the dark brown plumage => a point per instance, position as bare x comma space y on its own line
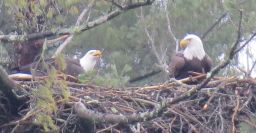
181, 66
73, 67
193, 58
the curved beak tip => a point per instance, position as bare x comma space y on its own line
98, 53
183, 43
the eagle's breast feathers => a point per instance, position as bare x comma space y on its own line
193, 58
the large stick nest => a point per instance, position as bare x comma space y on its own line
218, 107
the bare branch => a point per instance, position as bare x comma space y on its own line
75, 29
214, 25
170, 30
93, 116
247, 42
30, 37
57, 39
116, 4
230, 56
138, 4
253, 65
78, 22
154, 72
161, 56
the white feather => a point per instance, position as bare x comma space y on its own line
195, 48
88, 61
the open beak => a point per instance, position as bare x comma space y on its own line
184, 43
97, 53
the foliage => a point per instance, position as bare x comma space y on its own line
46, 121
45, 102
127, 52
35, 16
111, 77
125, 38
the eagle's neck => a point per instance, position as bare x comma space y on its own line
194, 52
87, 63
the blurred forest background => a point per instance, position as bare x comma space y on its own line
138, 41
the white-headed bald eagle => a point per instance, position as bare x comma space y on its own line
73, 67
193, 58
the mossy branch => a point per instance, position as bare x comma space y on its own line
75, 29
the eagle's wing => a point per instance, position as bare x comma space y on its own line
207, 63
177, 63
73, 67
73, 61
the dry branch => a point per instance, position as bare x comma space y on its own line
78, 22
170, 30
214, 25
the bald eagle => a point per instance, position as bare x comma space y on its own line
73, 67
192, 58
84, 64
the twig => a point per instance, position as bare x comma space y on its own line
116, 4
28, 115
106, 129
151, 42
78, 22
215, 119
247, 42
214, 24
170, 29
253, 65
57, 39
135, 79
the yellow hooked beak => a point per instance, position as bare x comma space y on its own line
184, 43
97, 53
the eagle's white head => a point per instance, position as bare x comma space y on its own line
89, 60
193, 47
